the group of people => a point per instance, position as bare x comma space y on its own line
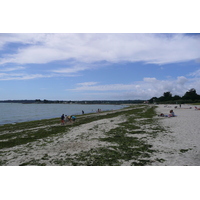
171, 114
65, 119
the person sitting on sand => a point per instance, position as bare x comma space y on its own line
171, 113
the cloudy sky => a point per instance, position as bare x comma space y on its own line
97, 66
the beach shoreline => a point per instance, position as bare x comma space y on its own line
90, 140
134, 135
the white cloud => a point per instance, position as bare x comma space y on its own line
70, 70
87, 83
150, 80
21, 38
8, 74
195, 73
111, 87
21, 76
77, 67
12, 69
145, 89
150, 48
181, 80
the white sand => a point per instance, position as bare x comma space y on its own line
180, 145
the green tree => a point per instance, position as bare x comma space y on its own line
167, 96
176, 97
153, 100
191, 95
46, 101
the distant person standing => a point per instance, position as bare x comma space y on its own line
62, 119
180, 105
82, 112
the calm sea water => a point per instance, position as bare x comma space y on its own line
16, 112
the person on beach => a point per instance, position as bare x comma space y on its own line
99, 110
171, 113
82, 112
73, 118
66, 119
62, 119
69, 119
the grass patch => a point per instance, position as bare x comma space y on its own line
184, 150
25, 137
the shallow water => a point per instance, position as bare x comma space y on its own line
16, 112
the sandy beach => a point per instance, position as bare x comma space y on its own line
180, 144
176, 143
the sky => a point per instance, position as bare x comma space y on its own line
104, 66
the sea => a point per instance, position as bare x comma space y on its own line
11, 113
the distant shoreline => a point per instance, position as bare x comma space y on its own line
107, 102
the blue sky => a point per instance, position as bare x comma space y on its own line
97, 66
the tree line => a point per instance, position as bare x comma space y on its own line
190, 96
45, 101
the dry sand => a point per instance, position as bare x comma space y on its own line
180, 145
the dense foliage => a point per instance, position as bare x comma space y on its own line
190, 96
